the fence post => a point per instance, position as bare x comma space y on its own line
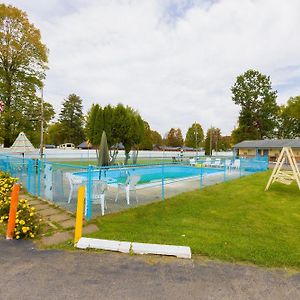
89, 193
224, 172
162, 182
39, 178
34, 171
201, 176
240, 167
7, 164
29, 175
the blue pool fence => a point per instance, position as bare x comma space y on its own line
51, 180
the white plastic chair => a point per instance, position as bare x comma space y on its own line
217, 163
236, 164
207, 162
228, 164
75, 182
129, 185
98, 194
192, 161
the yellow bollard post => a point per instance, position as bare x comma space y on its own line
79, 214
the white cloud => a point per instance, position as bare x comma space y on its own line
174, 61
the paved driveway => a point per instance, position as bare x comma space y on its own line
27, 273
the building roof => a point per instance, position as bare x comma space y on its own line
294, 143
85, 145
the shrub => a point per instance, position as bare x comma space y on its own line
27, 222
6, 184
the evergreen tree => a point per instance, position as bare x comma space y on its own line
71, 120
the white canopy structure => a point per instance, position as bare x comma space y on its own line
22, 144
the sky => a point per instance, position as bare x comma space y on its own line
172, 60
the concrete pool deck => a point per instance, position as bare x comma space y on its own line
145, 193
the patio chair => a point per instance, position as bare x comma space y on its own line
129, 185
236, 164
217, 163
192, 162
75, 182
207, 162
228, 164
98, 194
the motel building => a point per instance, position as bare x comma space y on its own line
269, 148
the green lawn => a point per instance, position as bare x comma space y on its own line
232, 221
141, 161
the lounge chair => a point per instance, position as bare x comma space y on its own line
129, 185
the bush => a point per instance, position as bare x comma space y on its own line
6, 184
27, 222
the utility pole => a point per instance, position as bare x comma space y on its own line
42, 124
196, 139
210, 142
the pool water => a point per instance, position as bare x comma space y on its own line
149, 174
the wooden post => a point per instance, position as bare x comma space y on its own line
79, 214
12, 212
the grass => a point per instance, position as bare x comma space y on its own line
232, 221
141, 161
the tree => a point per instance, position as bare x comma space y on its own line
71, 120
253, 92
147, 140
23, 62
174, 138
32, 124
194, 136
212, 140
53, 134
121, 124
156, 138
225, 143
128, 126
150, 138
289, 119
90, 130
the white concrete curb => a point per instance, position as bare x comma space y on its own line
178, 251
85, 243
137, 248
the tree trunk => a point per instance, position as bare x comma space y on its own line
113, 156
126, 157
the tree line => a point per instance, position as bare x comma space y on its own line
124, 125
23, 66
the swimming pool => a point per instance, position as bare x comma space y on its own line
149, 173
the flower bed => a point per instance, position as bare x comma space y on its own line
27, 222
